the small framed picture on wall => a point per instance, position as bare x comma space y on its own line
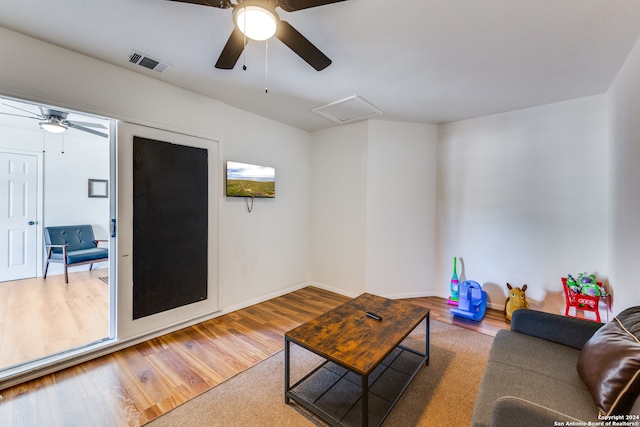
98, 188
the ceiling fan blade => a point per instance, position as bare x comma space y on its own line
20, 115
26, 111
222, 4
232, 50
87, 124
303, 47
293, 5
84, 129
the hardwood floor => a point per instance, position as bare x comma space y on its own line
135, 385
40, 317
492, 322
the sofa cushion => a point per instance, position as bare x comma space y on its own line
609, 364
535, 370
533, 354
83, 255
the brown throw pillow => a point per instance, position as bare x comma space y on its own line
609, 364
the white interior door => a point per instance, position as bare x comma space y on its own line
18, 219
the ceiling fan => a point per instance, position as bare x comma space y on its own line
55, 121
258, 20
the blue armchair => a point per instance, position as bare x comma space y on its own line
72, 245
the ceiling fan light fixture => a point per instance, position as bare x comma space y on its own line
52, 125
256, 22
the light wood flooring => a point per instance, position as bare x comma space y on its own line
40, 317
493, 321
133, 386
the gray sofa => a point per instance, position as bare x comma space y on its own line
547, 369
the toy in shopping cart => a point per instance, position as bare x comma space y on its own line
573, 284
472, 301
516, 300
589, 286
586, 284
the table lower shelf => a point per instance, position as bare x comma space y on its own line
334, 394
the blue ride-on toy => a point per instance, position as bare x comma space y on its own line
472, 303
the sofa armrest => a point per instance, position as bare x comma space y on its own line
511, 411
568, 331
49, 249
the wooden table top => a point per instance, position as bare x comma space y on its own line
347, 336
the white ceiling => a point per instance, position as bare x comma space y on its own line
429, 61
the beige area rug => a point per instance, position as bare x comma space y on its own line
442, 393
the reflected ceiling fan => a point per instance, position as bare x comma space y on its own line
55, 121
258, 20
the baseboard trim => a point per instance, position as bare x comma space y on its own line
333, 289
263, 298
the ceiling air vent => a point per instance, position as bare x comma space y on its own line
147, 62
348, 110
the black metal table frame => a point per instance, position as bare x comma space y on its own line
290, 394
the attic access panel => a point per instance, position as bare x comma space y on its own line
348, 110
170, 226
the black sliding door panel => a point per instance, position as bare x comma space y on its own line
170, 226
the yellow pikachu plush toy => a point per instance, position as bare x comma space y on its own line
516, 300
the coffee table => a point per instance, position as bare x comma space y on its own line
365, 359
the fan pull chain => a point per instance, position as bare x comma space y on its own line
244, 55
244, 50
266, 66
62, 144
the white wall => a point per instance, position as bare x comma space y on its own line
373, 208
338, 208
66, 176
22, 139
258, 247
623, 101
401, 209
267, 250
522, 199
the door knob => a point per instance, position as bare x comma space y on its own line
31, 223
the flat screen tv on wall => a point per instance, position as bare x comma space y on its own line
246, 180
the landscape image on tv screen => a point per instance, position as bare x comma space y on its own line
245, 180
